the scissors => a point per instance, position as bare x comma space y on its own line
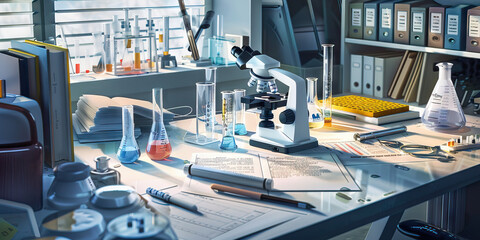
413, 149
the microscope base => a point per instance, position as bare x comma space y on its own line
277, 147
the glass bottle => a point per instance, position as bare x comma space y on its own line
315, 117
128, 151
228, 121
102, 175
443, 110
327, 84
240, 128
158, 147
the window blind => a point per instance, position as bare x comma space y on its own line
16, 21
75, 21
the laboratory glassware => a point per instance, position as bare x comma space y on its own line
107, 47
152, 43
228, 121
218, 45
158, 147
443, 110
327, 84
98, 53
136, 32
128, 151
102, 175
240, 128
77, 56
315, 117
205, 121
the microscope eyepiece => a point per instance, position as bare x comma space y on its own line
236, 51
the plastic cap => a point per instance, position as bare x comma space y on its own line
71, 172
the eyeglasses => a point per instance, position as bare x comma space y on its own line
419, 151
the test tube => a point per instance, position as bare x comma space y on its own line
107, 47
327, 83
166, 35
98, 53
136, 33
228, 121
240, 128
77, 56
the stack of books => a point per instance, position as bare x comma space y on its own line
99, 118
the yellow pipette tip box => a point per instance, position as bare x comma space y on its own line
367, 106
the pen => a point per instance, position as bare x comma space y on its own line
260, 196
380, 133
167, 198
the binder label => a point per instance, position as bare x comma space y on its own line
474, 26
417, 24
370, 17
452, 23
356, 17
402, 20
436, 23
386, 18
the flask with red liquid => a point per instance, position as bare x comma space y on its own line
158, 147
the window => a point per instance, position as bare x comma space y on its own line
75, 21
16, 21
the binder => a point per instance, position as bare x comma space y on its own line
419, 26
355, 26
368, 74
403, 76
436, 26
455, 27
356, 73
14, 72
386, 21
401, 29
397, 74
59, 61
385, 69
370, 20
473, 25
33, 75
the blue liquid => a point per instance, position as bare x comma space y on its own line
228, 143
128, 154
240, 129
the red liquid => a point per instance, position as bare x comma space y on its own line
158, 151
77, 68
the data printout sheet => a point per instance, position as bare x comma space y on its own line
322, 172
221, 219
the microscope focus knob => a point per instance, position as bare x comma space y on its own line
287, 116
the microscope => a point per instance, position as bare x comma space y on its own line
294, 135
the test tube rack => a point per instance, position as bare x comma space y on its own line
470, 142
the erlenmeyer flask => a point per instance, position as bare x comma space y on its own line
443, 111
158, 147
315, 117
128, 151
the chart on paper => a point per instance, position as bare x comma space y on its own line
222, 219
361, 150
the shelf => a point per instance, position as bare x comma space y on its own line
413, 48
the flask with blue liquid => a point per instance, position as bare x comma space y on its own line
128, 152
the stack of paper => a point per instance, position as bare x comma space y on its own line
99, 118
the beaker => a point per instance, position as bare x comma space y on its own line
128, 151
315, 117
327, 84
228, 121
240, 128
443, 110
158, 147
205, 121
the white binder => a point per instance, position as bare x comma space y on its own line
356, 72
368, 65
385, 69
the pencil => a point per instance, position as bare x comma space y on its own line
260, 196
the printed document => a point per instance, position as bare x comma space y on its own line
323, 172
